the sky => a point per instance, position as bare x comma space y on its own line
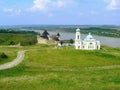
59, 12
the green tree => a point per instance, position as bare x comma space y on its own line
71, 41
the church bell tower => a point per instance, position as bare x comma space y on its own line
78, 39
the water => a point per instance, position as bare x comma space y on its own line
109, 41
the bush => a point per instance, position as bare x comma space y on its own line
12, 43
3, 55
61, 42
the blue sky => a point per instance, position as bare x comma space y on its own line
57, 12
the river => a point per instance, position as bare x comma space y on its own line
109, 41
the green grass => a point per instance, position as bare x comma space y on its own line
16, 38
68, 57
10, 52
48, 68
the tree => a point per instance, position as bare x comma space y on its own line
71, 41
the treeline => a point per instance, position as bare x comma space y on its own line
16, 31
110, 32
23, 38
102, 31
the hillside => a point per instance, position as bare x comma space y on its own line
49, 68
11, 37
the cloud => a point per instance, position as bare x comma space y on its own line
8, 10
12, 12
113, 4
40, 5
46, 5
60, 3
18, 12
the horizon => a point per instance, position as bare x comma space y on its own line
56, 25
59, 12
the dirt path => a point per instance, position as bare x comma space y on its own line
15, 62
21, 55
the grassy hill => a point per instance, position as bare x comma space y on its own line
49, 68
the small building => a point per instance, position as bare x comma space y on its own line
89, 43
65, 43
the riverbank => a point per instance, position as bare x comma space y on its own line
66, 32
108, 41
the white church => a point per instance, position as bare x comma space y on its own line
89, 43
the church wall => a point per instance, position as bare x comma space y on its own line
98, 47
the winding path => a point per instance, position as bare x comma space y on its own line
21, 54
15, 62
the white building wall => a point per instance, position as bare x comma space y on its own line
78, 45
92, 46
98, 47
89, 44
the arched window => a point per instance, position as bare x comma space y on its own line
91, 43
78, 37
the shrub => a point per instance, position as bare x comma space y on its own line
12, 43
3, 55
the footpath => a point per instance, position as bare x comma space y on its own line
15, 62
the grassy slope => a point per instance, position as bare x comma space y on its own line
47, 68
10, 52
6, 38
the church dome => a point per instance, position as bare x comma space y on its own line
98, 42
89, 37
77, 30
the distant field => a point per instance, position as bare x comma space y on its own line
49, 68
